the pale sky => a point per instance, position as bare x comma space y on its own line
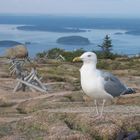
77, 7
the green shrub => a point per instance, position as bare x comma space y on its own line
55, 52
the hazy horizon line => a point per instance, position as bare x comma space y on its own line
71, 15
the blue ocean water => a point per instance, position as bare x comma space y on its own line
53, 28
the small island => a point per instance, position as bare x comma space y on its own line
9, 43
133, 32
118, 33
73, 40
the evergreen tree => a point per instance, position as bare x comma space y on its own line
106, 47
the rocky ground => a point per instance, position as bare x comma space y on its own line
65, 113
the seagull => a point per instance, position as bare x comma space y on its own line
99, 84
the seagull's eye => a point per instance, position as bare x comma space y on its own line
89, 55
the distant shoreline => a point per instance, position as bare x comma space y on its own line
70, 24
133, 32
50, 29
68, 30
92, 28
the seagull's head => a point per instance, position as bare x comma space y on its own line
87, 57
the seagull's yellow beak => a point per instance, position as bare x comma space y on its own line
76, 59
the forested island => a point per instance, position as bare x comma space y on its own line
50, 29
73, 40
9, 43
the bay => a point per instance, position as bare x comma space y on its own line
43, 40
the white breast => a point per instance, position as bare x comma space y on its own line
92, 82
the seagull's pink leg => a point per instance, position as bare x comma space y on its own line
100, 116
102, 109
96, 107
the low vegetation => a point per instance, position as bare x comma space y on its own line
116, 62
56, 52
66, 112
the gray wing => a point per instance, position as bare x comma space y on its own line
112, 84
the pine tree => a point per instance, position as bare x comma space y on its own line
106, 47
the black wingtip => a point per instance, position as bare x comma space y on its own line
129, 91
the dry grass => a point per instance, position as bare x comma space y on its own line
65, 113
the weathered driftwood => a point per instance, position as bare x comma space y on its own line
31, 85
24, 78
60, 57
31, 81
16, 87
16, 67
